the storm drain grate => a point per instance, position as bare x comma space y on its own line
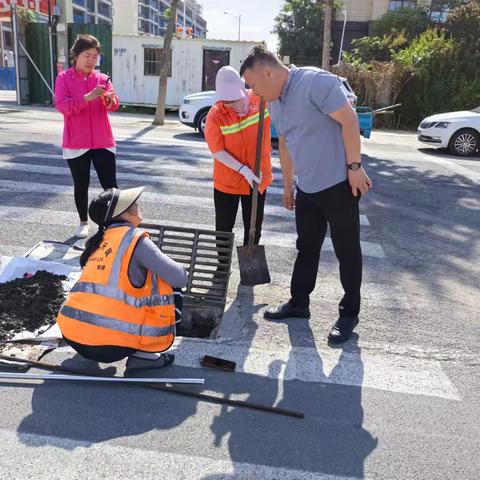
208, 256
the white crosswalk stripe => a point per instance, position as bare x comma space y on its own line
169, 199
142, 162
118, 461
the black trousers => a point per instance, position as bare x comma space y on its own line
338, 208
104, 163
115, 353
226, 208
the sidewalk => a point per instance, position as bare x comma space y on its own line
8, 97
42, 112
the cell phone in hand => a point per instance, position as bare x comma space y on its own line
220, 363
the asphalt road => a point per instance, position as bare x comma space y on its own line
399, 401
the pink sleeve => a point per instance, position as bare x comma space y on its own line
116, 105
64, 102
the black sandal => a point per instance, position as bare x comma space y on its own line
135, 364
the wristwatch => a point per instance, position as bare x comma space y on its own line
354, 166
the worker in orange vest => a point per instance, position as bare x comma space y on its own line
124, 304
231, 133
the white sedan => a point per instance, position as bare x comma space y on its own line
194, 109
457, 131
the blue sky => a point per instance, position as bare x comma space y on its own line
257, 19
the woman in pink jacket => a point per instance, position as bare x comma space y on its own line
85, 96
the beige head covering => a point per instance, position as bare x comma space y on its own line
122, 200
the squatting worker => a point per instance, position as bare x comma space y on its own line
320, 142
231, 133
85, 96
124, 304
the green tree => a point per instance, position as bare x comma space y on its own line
463, 24
439, 84
438, 9
299, 26
378, 49
410, 21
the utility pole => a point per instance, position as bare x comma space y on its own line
239, 18
13, 12
50, 47
2, 50
327, 34
184, 19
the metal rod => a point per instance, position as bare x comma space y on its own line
343, 36
50, 49
36, 68
387, 108
2, 50
87, 378
13, 10
34, 340
201, 396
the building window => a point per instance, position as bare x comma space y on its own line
91, 6
7, 36
78, 16
144, 26
104, 9
80, 3
397, 4
144, 12
151, 62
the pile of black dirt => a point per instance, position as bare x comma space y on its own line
30, 303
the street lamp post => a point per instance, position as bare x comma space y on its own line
343, 36
239, 17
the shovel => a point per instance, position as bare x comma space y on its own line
251, 258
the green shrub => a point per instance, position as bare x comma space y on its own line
376, 49
439, 84
410, 21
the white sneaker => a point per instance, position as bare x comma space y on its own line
82, 231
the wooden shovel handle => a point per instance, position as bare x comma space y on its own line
258, 156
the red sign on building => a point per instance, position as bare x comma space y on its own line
39, 6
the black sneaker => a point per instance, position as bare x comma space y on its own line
286, 311
342, 330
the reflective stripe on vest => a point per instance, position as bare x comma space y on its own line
110, 291
238, 127
127, 239
117, 325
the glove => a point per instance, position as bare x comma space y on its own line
231, 162
250, 177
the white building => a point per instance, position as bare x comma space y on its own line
86, 11
147, 17
195, 63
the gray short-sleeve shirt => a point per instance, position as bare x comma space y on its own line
314, 140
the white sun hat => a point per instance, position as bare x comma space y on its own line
122, 200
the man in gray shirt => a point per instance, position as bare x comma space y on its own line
319, 142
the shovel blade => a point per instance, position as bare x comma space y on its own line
253, 265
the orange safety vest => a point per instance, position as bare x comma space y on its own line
104, 308
225, 130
